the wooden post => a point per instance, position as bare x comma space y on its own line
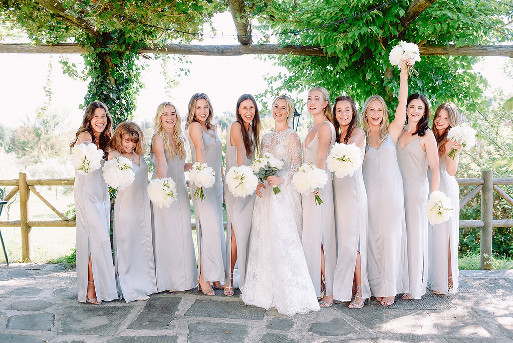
25, 228
487, 217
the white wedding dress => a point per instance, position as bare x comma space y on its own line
277, 274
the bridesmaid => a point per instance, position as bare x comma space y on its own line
350, 213
133, 249
416, 150
242, 143
206, 148
318, 238
175, 262
444, 238
386, 233
95, 271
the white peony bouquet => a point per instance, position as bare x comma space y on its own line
241, 181
267, 165
202, 176
309, 178
463, 134
344, 159
86, 158
118, 172
439, 208
405, 51
162, 192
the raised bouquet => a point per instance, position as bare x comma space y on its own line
267, 165
86, 158
308, 179
405, 51
344, 159
118, 172
439, 208
202, 176
241, 181
162, 192
463, 134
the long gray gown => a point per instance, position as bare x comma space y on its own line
239, 212
175, 260
133, 248
351, 223
441, 235
386, 235
319, 224
414, 166
209, 214
92, 205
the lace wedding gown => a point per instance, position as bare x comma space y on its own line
277, 274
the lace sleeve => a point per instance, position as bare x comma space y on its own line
294, 145
265, 144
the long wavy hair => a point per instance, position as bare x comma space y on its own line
253, 140
105, 136
326, 96
290, 105
130, 130
383, 128
454, 120
423, 123
354, 117
192, 110
176, 135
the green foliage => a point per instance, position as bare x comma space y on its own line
68, 261
472, 261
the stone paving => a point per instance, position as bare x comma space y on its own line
38, 304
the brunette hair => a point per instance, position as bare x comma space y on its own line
423, 123
383, 128
134, 133
249, 142
105, 136
454, 120
192, 110
326, 96
176, 135
354, 118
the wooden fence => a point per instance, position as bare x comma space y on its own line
485, 185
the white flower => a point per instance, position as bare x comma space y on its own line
265, 166
118, 172
344, 159
309, 178
202, 176
439, 208
241, 181
463, 134
86, 158
162, 192
404, 51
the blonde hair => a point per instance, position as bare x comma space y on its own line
176, 134
383, 128
326, 96
290, 104
192, 110
134, 133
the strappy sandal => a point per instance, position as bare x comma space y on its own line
358, 301
94, 300
324, 304
228, 290
209, 291
407, 296
384, 302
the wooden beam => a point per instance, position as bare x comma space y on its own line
414, 10
478, 50
241, 21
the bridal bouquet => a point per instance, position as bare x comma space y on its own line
405, 51
267, 165
309, 178
118, 172
439, 208
241, 181
463, 134
344, 159
162, 192
202, 176
86, 158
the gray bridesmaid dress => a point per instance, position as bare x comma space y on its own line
92, 205
351, 224
209, 214
175, 260
386, 233
133, 248
319, 224
414, 166
239, 212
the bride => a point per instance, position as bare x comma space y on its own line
277, 273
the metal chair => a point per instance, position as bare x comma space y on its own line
2, 203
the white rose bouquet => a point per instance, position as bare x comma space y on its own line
241, 181
86, 158
118, 172
309, 178
344, 159
463, 134
439, 208
162, 192
267, 165
405, 51
202, 176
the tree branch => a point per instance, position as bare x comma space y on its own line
241, 21
414, 10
